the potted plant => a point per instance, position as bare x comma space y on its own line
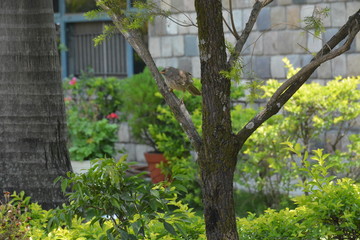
140, 99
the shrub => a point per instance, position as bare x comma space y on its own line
90, 139
140, 102
330, 210
91, 106
135, 208
267, 169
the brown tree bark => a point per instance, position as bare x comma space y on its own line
33, 145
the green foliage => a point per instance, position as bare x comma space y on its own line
12, 221
329, 211
315, 21
108, 31
173, 142
93, 97
128, 18
135, 208
140, 101
21, 219
79, 6
91, 103
90, 139
266, 168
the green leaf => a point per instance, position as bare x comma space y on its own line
169, 228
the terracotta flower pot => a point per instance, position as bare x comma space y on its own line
153, 159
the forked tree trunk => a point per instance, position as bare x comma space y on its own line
33, 148
219, 150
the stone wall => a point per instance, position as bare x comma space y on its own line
278, 33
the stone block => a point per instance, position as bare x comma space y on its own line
314, 44
277, 67
306, 11
178, 46
324, 71
262, 66
151, 30
126, 148
196, 68
191, 45
284, 2
270, 42
238, 19
278, 17
189, 5
353, 64
338, 14
185, 22
326, 20
263, 21
295, 60
305, 59
245, 16
338, 66
326, 36
160, 62
166, 46
299, 42
239, 4
160, 26
352, 7
193, 29
248, 66
174, 62
285, 42
293, 16
357, 42
185, 64
140, 149
299, 1
80, 166
171, 27
155, 46
165, 5
124, 133
254, 44
226, 17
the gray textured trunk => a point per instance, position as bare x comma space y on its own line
219, 151
33, 148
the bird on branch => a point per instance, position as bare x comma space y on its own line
179, 80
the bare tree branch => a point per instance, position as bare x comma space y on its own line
234, 31
177, 107
230, 29
288, 89
247, 30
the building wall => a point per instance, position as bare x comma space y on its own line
278, 33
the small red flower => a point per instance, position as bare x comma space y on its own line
112, 116
73, 81
67, 99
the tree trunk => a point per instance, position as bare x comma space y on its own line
218, 200
219, 152
33, 149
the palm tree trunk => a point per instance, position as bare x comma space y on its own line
33, 149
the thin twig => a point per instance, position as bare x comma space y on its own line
234, 32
